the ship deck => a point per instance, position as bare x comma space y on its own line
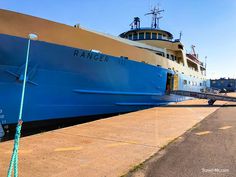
106, 147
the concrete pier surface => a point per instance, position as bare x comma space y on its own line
107, 147
208, 150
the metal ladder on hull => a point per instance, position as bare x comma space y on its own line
209, 96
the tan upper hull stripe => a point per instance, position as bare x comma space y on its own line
21, 25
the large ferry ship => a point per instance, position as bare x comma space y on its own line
75, 72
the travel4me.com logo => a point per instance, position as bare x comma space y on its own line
214, 170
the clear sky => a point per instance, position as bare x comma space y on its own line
208, 24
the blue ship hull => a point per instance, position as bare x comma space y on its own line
64, 82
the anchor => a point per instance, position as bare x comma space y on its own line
20, 74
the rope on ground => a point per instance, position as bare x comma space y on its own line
14, 157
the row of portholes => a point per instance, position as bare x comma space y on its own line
192, 83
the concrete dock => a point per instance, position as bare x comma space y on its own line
208, 150
108, 147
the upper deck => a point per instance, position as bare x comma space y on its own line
147, 34
156, 37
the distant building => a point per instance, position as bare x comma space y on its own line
223, 83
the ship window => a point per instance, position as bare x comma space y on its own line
159, 36
164, 36
130, 36
160, 53
167, 55
180, 46
124, 57
172, 57
135, 36
200, 84
154, 35
148, 35
141, 36
185, 82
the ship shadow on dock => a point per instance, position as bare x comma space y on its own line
32, 128
198, 105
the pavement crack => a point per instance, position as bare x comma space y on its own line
111, 140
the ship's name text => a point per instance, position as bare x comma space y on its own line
91, 55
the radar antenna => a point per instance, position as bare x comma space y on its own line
155, 12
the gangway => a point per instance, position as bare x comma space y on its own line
211, 97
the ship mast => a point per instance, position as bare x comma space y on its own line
155, 12
193, 50
180, 35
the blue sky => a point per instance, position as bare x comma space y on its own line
208, 24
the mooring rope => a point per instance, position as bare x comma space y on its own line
14, 157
